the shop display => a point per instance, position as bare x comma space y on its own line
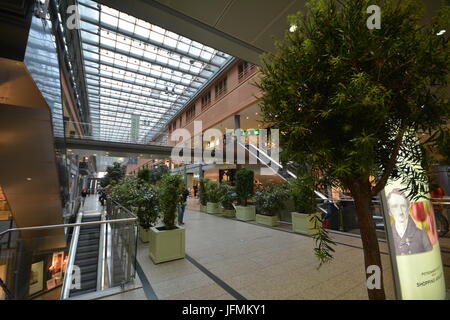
36, 277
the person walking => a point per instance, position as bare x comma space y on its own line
83, 196
182, 206
103, 197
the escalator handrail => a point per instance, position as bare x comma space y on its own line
67, 225
65, 292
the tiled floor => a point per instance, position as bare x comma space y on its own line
258, 263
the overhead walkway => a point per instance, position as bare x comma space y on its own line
113, 147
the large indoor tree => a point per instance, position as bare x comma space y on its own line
348, 99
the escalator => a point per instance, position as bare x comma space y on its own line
87, 255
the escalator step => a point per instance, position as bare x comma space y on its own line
87, 276
88, 268
89, 236
84, 262
87, 248
87, 242
86, 255
80, 292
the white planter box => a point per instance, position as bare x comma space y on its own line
247, 213
267, 220
304, 223
166, 245
212, 207
143, 234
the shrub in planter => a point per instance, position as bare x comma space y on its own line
244, 191
227, 197
140, 198
305, 219
213, 195
269, 200
203, 194
168, 241
147, 209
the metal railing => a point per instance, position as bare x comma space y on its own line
43, 242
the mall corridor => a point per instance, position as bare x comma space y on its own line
229, 259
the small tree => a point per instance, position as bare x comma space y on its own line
348, 100
144, 175
156, 174
203, 195
303, 196
213, 191
244, 185
270, 199
227, 195
114, 174
170, 190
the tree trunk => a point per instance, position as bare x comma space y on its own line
361, 192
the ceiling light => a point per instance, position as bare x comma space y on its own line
440, 33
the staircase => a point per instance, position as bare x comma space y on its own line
87, 255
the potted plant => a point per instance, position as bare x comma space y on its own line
140, 198
203, 194
244, 191
269, 200
227, 197
147, 209
167, 242
213, 194
305, 219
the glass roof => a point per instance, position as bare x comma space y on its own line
138, 75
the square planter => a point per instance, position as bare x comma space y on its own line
212, 207
166, 245
247, 213
304, 223
143, 234
229, 213
267, 220
202, 208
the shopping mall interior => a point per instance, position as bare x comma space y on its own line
139, 161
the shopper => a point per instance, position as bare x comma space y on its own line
84, 193
103, 197
195, 187
182, 206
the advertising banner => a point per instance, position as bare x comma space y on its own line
413, 242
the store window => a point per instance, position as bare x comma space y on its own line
190, 113
206, 100
221, 87
244, 70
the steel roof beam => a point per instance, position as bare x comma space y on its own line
143, 39
111, 65
140, 58
129, 82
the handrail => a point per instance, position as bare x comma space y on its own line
65, 292
68, 225
101, 257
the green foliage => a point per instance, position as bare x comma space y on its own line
302, 192
213, 192
227, 195
140, 198
203, 195
348, 100
170, 190
144, 175
114, 174
342, 94
270, 199
323, 242
157, 173
244, 185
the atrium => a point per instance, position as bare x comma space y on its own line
224, 150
